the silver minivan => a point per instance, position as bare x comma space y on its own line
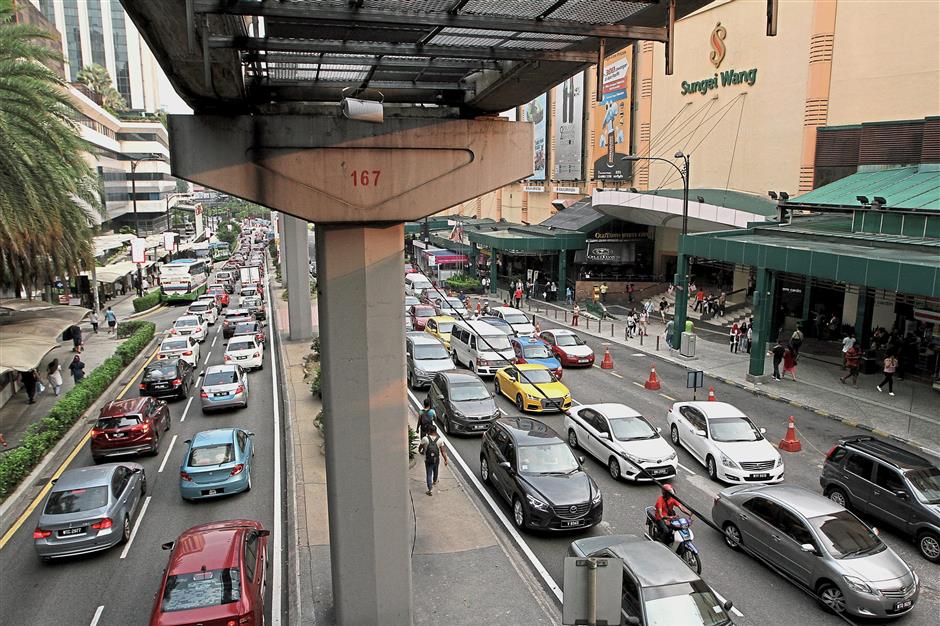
425, 356
482, 348
820, 545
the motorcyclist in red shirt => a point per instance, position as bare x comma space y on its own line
665, 510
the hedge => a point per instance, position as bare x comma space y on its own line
128, 328
43, 435
149, 301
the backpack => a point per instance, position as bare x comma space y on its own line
432, 452
424, 421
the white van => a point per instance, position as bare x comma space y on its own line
416, 284
481, 347
521, 324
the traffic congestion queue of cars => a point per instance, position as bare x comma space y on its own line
813, 538
94, 508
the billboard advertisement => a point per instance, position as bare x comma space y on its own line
139, 250
612, 118
569, 114
535, 113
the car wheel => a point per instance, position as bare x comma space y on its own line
732, 536
455, 358
832, 598
484, 470
838, 496
126, 530
519, 403
447, 430
97, 459
248, 488
496, 386
711, 468
169, 422
572, 439
143, 485
518, 513
473, 367
411, 380
929, 545
674, 435
613, 466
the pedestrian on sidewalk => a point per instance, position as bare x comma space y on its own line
750, 337
569, 296
733, 338
663, 305
847, 344
30, 379
553, 291
643, 321
699, 300
575, 314
111, 319
671, 290
518, 296
76, 332
433, 452
95, 320
789, 363
54, 376
890, 367
853, 357
722, 302
146, 285
604, 289
630, 292
796, 340
426, 419
778, 351
77, 369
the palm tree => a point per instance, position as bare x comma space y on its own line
47, 190
98, 80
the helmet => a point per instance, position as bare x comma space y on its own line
667, 488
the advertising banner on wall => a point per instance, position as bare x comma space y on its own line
535, 112
569, 113
200, 222
612, 118
139, 250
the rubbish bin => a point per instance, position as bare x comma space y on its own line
687, 345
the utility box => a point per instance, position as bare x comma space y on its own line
687, 345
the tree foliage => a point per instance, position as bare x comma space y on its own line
47, 190
98, 81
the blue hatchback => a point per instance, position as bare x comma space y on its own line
217, 463
532, 350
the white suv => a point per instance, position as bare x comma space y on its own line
205, 310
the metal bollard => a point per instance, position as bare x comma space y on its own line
641, 339
566, 317
611, 329
657, 343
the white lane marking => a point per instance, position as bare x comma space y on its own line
140, 518
277, 531
670, 398
214, 339
734, 609
167, 455
207, 357
616, 374
638, 354
186, 410
685, 468
573, 401
637, 384
97, 616
526, 550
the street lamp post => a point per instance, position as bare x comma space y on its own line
134, 164
681, 279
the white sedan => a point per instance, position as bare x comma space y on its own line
190, 326
725, 441
622, 439
186, 348
205, 309
244, 350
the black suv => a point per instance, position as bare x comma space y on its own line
534, 470
883, 481
168, 377
462, 402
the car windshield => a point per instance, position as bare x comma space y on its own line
411, 301
241, 345
844, 536
728, 429
536, 352
631, 428
926, 484
568, 340
244, 329
179, 344
496, 343
462, 392
423, 311
552, 458
220, 378
213, 587
684, 604
445, 327
515, 318
429, 352
76, 500
216, 454
159, 372
537, 377
119, 421
186, 322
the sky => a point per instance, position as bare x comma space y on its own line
169, 99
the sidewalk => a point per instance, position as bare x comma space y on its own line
910, 416
466, 556
16, 415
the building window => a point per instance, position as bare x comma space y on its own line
48, 9
96, 30
123, 73
73, 38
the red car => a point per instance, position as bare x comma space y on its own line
215, 577
220, 295
129, 427
568, 347
419, 315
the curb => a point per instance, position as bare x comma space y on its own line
152, 309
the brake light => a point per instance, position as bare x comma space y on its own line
203, 394
39, 533
103, 524
185, 476
198, 329
143, 386
831, 450
188, 353
246, 619
174, 331
141, 428
256, 355
240, 389
259, 337
237, 469
162, 356
177, 382
226, 358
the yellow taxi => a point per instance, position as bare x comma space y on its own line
440, 326
533, 387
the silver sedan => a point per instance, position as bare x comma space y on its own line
223, 387
89, 509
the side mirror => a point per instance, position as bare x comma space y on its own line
604, 435
137, 470
727, 605
875, 530
506, 466
901, 494
700, 432
658, 429
264, 533
629, 619
249, 433
188, 441
808, 547
92, 421
168, 545
581, 460
763, 430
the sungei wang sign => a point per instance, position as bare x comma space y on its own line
726, 78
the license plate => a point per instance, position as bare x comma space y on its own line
906, 604
572, 523
161, 385
480, 426
212, 492
118, 435
242, 358
760, 476
658, 472
582, 360
221, 394
71, 531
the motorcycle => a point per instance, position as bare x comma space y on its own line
681, 534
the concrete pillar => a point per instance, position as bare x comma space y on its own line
763, 323
296, 264
492, 271
562, 272
681, 281
362, 334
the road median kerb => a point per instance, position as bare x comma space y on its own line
24, 494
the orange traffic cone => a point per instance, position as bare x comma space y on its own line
653, 382
711, 394
790, 443
607, 363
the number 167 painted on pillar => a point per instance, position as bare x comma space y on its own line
365, 178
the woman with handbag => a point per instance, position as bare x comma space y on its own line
890, 367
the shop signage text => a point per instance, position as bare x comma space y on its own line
534, 188
574, 190
722, 79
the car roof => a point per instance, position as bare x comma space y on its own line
527, 341
481, 327
612, 409
214, 369
528, 431
442, 318
187, 317
91, 476
714, 409
213, 546
214, 436
162, 363
803, 500
899, 457
460, 376
237, 312
176, 338
506, 309
560, 331
529, 366
116, 408
652, 563
421, 337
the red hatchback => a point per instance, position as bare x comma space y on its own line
420, 314
215, 577
129, 427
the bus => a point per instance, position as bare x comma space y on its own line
184, 280
220, 250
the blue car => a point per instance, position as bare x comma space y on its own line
217, 463
532, 350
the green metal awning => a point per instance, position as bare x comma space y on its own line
915, 187
527, 238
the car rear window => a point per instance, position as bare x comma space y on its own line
201, 589
217, 454
179, 344
76, 500
244, 329
186, 322
220, 378
241, 345
199, 308
160, 372
120, 421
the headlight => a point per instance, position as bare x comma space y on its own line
420, 372
531, 397
535, 503
672, 457
729, 462
597, 497
779, 462
459, 414
859, 585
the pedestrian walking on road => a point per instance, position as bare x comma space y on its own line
890, 367
853, 357
733, 337
426, 419
95, 320
575, 314
77, 369
778, 351
433, 451
847, 344
111, 319
76, 332
30, 380
796, 341
789, 363
54, 376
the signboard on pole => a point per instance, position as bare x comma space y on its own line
535, 112
200, 223
612, 119
139, 250
569, 115
169, 241
695, 381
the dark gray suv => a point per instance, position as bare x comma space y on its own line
880, 480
